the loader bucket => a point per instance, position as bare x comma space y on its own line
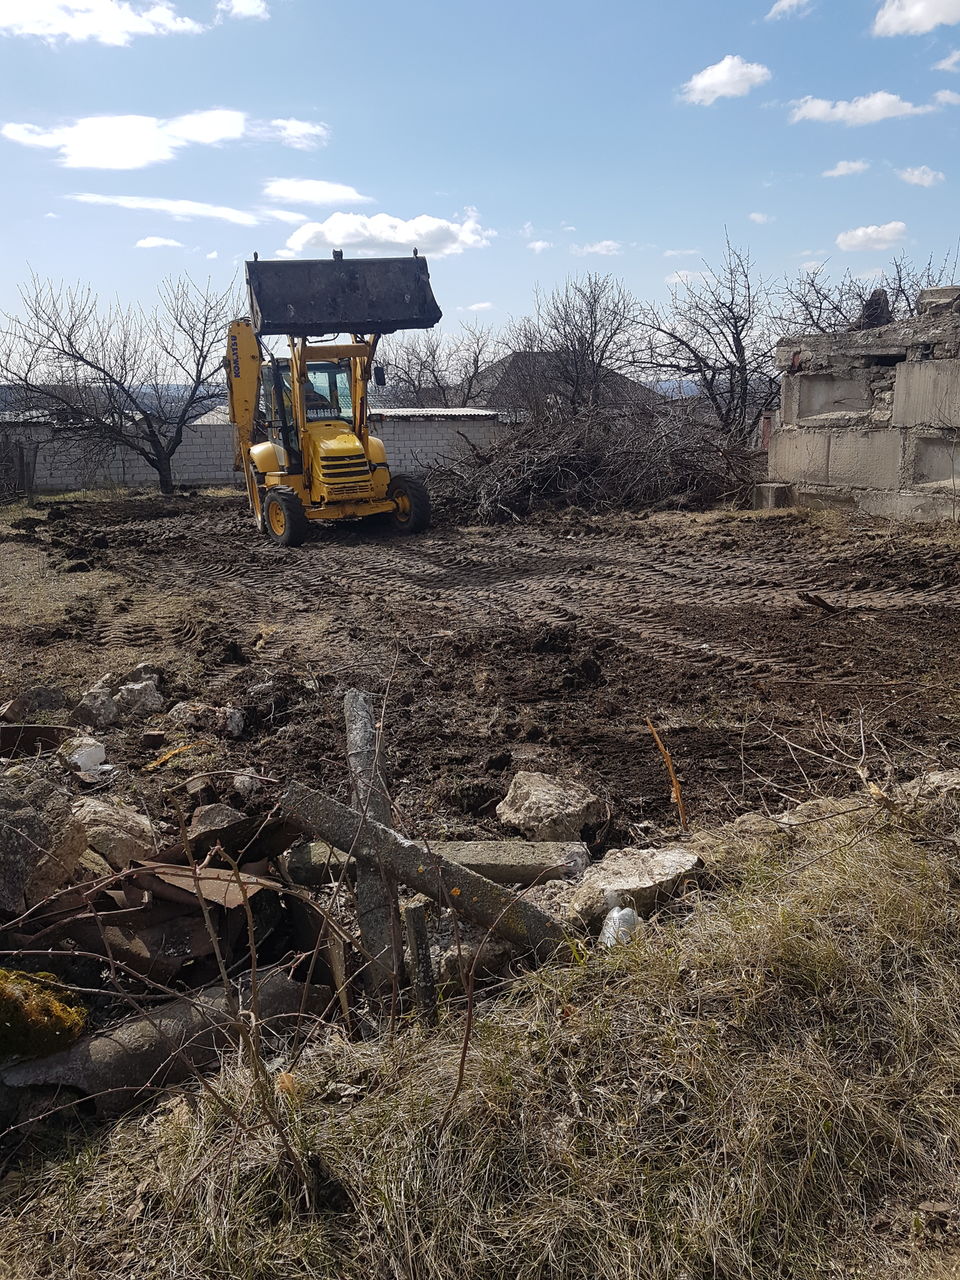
314, 297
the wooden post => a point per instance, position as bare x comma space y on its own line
424, 985
376, 889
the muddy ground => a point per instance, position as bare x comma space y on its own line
539, 646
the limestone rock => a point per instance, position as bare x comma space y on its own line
143, 671
545, 808
218, 824
139, 699
119, 833
638, 878
929, 786
97, 708
226, 722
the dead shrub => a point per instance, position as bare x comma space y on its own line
597, 460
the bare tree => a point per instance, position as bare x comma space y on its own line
432, 369
815, 302
117, 376
714, 338
574, 351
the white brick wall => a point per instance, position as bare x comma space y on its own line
205, 457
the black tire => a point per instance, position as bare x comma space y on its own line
412, 513
284, 519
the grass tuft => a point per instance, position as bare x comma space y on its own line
758, 1086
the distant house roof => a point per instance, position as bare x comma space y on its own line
508, 383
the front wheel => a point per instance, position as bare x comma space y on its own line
284, 519
412, 511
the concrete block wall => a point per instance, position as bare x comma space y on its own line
205, 457
870, 418
414, 444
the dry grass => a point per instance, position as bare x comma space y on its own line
765, 1084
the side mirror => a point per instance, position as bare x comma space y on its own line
379, 375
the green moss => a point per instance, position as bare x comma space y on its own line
35, 1019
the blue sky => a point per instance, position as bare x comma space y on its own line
531, 141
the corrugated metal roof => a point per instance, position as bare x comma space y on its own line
433, 413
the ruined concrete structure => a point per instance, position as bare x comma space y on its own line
871, 418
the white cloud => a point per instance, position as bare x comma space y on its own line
157, 242
789, 8
914, 17
680, 253
113, 22
947, 98
243, 8
565, 226
540, 246
303, 135
731, 77
872, 237
313, 191
134, 142
212, 254
128, 142
605, 248
479, 306
182, 209
950, 63
865, 110
285, 215
921, 176
811, 265
380, 232
845, 168
760, 218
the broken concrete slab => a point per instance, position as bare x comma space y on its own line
82, 753
516, 862
637, 878
116, 831
423, 870
40, 844
544, 807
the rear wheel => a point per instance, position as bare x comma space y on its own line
284, 519
412, 511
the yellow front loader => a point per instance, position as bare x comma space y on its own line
301, 420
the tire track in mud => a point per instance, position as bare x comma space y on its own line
611, 587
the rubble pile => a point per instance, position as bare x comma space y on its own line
241, 882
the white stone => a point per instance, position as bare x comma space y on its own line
638, 878
82, 753
545, 808
139, 699
118, 833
